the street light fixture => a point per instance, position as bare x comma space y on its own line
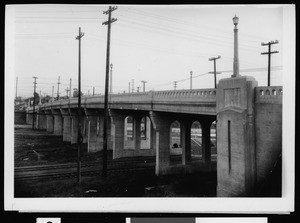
235, 20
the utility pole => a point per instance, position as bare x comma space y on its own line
108, 23
144, 82
269, 56
58, 83
191, 80
33, 112
132, 85
52, 93
110, 85
40, 101
175, 85
215, 71
70, 87
79, 139
128, 87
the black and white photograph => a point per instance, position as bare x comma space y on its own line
149, 108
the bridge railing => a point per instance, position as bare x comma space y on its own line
269, 94
196, 95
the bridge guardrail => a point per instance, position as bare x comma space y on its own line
196, 95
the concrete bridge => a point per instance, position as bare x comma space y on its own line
249, 128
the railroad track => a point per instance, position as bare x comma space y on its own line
91, 172
62, 171
89, 168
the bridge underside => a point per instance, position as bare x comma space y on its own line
137, 133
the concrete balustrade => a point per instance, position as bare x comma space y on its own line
271, 94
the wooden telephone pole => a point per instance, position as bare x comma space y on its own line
79, 139
269, 56
108, 23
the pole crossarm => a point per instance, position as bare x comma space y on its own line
109, 22
263, 53
111, 9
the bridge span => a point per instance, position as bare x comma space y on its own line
248, 129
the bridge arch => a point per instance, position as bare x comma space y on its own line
175, 142
196, 140
145, 132
128, 132
128, 128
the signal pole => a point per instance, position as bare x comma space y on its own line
58, 83
108, 23
33, 112
175, 85
269, 56
215, 72
144, 82
79, 138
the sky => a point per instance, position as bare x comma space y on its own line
153, 43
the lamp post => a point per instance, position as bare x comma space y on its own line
235, 20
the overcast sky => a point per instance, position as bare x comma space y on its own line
158, 44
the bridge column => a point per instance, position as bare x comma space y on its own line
84, 129
42, 121
49, 121
185, 139
95, 130
161, 125
58, 122
117, 120
137, 132
66, 125
74, 126
236, 167
206, 143
29, 117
